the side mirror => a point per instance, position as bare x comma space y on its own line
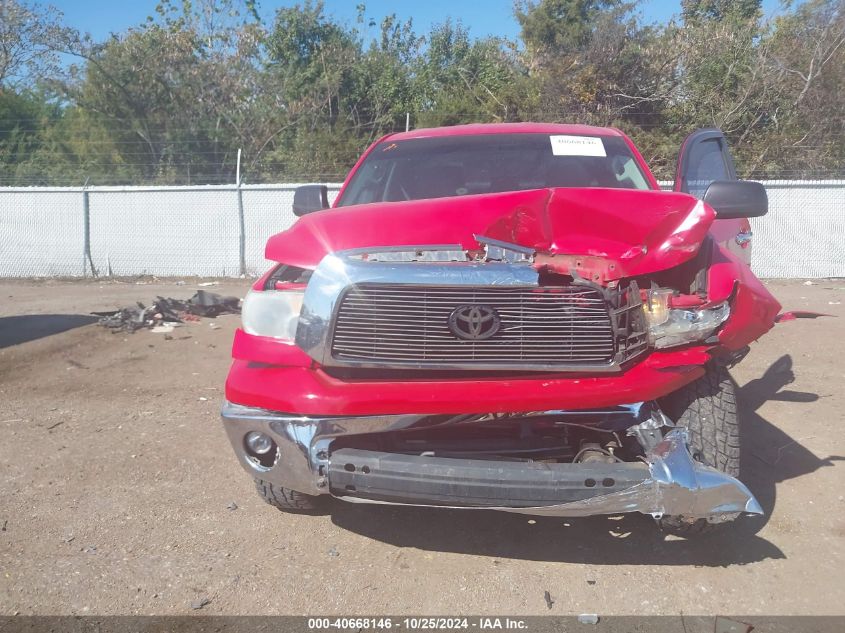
737, 199
309, 198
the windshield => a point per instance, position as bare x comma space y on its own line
491, 163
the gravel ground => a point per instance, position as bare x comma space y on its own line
120, 493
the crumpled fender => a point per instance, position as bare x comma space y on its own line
753, 308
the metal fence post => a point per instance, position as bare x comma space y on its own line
86, 232
241, 221
87, 259
242, 232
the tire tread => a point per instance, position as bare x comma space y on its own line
286, 499
708, 409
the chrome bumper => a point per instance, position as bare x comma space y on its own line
675, 485
303, 442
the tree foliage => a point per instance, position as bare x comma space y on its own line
173, 99
30, 36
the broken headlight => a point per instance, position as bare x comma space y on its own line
273, 313
668, 327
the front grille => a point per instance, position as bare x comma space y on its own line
409, 324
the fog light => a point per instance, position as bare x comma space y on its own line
258, 443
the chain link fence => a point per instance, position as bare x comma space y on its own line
803, 235
221, 230
208, 231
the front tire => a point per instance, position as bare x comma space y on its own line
707, 408
286, 499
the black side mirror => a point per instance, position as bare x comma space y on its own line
309, 198
737, 199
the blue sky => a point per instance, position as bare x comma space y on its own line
483, 17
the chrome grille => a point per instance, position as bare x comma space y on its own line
409, 324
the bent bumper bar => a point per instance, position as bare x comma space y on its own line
669, 482
394, 478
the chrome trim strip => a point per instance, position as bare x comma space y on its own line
498, 250
402, 248
410, 254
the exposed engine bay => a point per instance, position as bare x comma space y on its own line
543, 437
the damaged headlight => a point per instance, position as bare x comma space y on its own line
272, 313
668, 327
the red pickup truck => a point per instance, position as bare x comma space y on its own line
510, 317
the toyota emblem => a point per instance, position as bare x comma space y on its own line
474, 322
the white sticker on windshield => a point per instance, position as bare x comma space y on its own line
577, 146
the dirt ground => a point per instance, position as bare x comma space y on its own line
120, 494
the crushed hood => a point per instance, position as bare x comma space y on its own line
600, 234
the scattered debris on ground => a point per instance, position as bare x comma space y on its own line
588, 618
165, 313
799, 314
333, 552
549, 601
199, 604
232, 506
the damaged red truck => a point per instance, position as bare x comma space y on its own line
510, 317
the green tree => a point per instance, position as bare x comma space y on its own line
721, 10
29, 38
593, 61
465, 80
173, 99
312, 61
22, 118
175, 94
806, 63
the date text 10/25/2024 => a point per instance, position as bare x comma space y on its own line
423, 623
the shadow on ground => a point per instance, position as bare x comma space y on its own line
29, 327
769, 457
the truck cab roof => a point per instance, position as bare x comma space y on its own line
505, 128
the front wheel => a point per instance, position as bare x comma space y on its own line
707, 408
286, 499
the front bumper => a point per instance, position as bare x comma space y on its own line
270, 375
669, 482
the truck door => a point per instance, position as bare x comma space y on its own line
704, 157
